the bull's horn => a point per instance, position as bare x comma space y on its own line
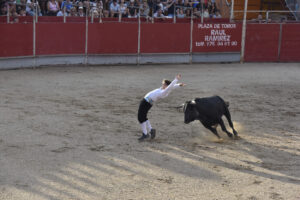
193, 102
181, 106
227, 103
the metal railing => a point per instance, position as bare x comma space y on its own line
263, 15
294, 6
289, 12
232, 17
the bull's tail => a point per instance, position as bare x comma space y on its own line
225, 102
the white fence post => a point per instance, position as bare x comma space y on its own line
34, 41
191, 36
8, 14
244, 32
232, 10
279, 41
86, 37
139, 38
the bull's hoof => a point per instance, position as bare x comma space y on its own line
236, 137
220, 140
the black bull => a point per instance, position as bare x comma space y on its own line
209, 112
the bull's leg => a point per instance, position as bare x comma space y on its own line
224, 128
214, 130
228, 116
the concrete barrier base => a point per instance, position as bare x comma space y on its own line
39, 61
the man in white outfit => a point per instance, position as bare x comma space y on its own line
149, 99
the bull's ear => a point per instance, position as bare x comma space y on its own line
193, 102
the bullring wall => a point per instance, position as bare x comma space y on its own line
36, 44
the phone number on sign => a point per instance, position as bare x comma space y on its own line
210, 44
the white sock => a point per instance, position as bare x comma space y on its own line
148, 125
144, 128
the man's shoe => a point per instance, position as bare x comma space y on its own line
143, 137
153, 133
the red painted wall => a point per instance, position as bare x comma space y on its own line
60, 38
165, 38
262, 42
16, 40
290, 45
113, 38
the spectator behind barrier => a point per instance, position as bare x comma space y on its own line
68, 5
196, 12
217, 15
188, 13
53, 8
123, 9
170, 7
144, 9
96, 9
30, 8
212, 9
132, 9
43, 6
20, 5
114, 9
105, 13
180, 13
206, 13
3, 10
81, 12
12, 7
159, 14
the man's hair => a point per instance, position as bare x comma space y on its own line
167, 82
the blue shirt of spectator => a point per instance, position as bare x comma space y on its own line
68, 4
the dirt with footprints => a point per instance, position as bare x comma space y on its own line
70, 132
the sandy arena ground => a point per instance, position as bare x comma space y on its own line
70, 133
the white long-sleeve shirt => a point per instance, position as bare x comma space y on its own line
160, 93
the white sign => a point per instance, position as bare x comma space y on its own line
217, 36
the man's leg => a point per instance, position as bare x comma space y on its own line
144, 129
150, 129
142, 117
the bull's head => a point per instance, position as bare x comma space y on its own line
190, 111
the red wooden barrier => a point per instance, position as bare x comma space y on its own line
122, 38
3, 19
50, 19
25, 19
113, 38
165, 38
60, 38
262, 42
16, 40
76, 19
290, 45
217, 37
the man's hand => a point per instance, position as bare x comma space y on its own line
182, 84
178, 76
